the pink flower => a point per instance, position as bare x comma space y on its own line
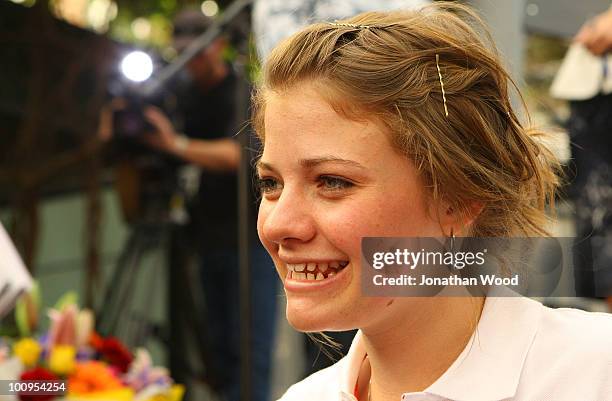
63, 326
142, 373
69, 326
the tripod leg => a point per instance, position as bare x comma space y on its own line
113, 287
187, 315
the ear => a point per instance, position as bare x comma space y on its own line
459, 219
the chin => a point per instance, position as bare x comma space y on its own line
303, 325
309, 320
304, 320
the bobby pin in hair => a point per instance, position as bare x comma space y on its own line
441, 84
346, 24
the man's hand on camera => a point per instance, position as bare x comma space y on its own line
596, 34
221, 154
164, 137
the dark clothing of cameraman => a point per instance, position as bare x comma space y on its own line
211, 116
589, 126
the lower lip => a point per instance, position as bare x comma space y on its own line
304, 286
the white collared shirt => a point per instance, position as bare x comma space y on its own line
521, 350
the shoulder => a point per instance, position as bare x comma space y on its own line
571, 356
322, 385
577, 331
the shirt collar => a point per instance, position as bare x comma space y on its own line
493, 358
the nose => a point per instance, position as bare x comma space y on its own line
287, 219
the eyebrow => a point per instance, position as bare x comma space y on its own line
310, 163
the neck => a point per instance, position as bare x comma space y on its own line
412, 355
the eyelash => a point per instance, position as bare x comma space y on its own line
264, 185
339, 184
267, 185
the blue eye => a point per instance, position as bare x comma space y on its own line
334, 183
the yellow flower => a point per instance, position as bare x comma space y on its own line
174, 393
120, 394
62, 359
27, 350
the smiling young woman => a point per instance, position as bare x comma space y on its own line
327, 182
399, 125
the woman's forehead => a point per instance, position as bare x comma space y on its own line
303, 143
303, 110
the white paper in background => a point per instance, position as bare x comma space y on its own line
14, 277
581, 75
10, 369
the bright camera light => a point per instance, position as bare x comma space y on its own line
137, 66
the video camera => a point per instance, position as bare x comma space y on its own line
135, 69
140, 87
145, 179
152, 177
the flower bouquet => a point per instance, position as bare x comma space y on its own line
90, 366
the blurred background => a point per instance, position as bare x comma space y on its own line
74, 206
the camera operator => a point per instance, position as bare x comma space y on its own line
206, 139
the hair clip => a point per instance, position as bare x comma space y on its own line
441, 84
346, 24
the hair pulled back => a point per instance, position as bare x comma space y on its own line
382, 65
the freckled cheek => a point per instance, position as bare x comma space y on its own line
384, 217
345, 228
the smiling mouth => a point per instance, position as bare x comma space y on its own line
312, 271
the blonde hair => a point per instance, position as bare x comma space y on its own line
383, 65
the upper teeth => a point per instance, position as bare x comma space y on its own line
312, 266
313, 270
